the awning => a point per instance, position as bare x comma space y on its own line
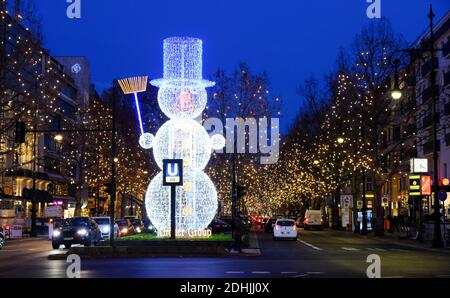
42, 196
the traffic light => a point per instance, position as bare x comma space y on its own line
108, 188
19, 136
240, 191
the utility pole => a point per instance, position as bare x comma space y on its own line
437, 240
113, 167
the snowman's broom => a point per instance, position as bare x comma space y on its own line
135, 85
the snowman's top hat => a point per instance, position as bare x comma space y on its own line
182, 62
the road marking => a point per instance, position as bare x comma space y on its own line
300, 275
375, 249
399, 249
350, 248
260, 272
315, 272
234, 272
288, 272
309, 244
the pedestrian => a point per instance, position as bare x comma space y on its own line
237, 231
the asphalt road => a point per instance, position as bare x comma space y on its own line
317, 254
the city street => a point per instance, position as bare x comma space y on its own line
316, 254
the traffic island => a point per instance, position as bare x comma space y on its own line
148, 245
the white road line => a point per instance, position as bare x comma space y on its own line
350, 248
288, 272
380, 249
371, 249
260, 272
300, 275
309, 244
315, 272
234, 272
399, 249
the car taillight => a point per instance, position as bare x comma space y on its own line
306, 221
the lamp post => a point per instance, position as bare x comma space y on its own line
335, 216
397, 94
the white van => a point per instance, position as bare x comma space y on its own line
313, 219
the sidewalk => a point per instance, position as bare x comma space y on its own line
395, 238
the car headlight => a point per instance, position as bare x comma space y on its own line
82, 232
138, 229
106, 230
56, 233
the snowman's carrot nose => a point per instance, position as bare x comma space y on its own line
135, 85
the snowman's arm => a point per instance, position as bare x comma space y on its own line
146, 140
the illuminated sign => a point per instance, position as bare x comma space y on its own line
425, 185
414, 185
172, 172
419, 165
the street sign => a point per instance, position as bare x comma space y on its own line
414, 186
425, 185
172, 172
442, 195
359, 204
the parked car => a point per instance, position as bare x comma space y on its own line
104, 223
313, 220
148, 226
299, 222
137, 225
77, 230
125, 227
270, 224
285, 228
2, 238
218, 226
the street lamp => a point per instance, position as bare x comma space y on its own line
340, 140
437, 240
396, 92
58, 137
316, 162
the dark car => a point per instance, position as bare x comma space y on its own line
218, 226
137, 225
2, 238
270, 224
77, 230
148, 226
125, 227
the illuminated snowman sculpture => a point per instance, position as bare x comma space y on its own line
182, 97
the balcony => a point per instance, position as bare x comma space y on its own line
427, 94
428, 147
447, 79
427, 121
447, 139
426, 67
446, 48
447, 109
